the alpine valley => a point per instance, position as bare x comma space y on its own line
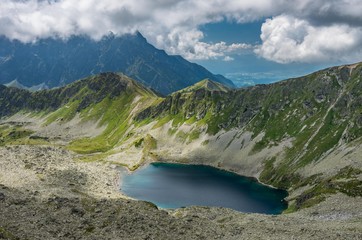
60, 149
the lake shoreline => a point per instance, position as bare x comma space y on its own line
169, 185
254, 178
71, 197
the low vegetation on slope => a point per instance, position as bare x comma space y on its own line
108, 99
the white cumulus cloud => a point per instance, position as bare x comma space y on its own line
169, 24
296, 31
288, 39
189, 44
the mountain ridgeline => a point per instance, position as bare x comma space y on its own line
83, 93
301, 134
54, 62
279, 110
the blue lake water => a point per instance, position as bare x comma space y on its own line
178, 185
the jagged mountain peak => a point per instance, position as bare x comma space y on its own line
39, 87
56, 62
212, 85
15, 84
208, 85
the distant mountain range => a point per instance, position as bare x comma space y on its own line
16, 84
54, 62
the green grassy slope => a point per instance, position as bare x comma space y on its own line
107, 98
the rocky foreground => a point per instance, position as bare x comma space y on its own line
48, 193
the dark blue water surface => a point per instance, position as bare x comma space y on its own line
178, 185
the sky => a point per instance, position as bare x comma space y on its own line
248, 41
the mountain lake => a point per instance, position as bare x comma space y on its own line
170, 185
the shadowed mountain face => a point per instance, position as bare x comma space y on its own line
56, 62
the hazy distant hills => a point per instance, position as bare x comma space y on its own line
53, 62
16, 84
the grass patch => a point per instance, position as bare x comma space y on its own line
281, 176
172, 131
291, 208
351, 188
93, 157
65, 113
116, 114
17, 136
350, 185
195, 134
139, 142
314, 195
327, 137
4, 234
162, 122
181, 135
150, 143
